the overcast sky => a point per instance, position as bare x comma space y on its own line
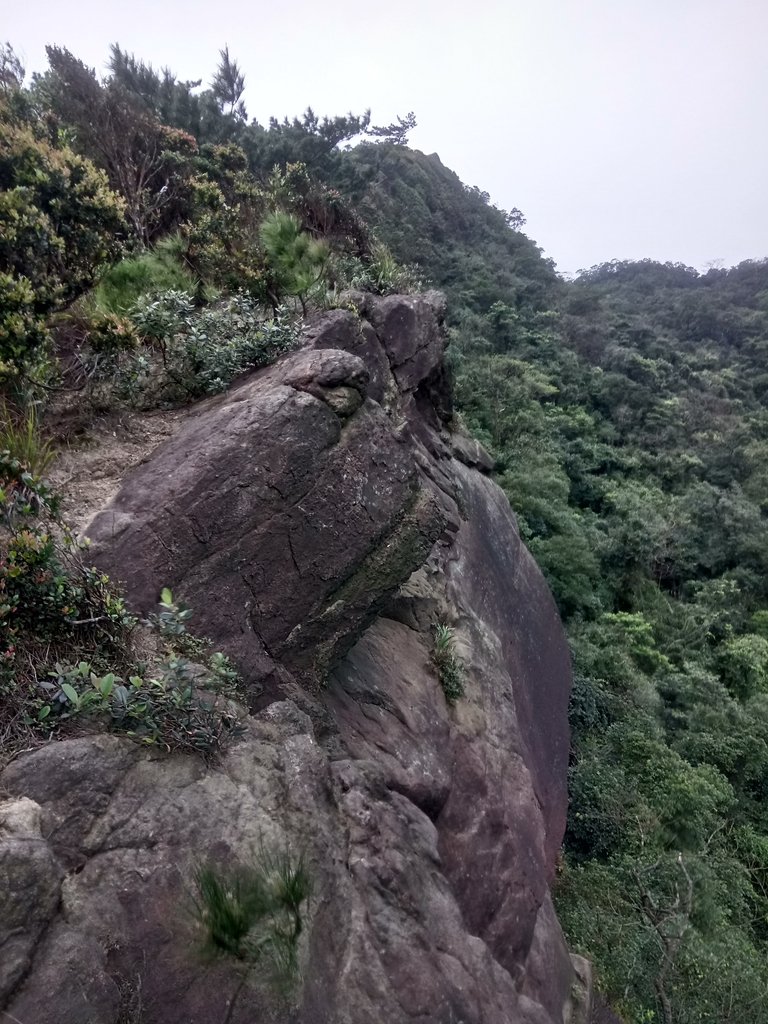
621, 128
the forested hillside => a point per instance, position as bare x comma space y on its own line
627, 412
631, 432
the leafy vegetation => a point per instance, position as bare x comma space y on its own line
143, 276
195, 200
22, 440
201, 351
66, 635
162, 709
628, 420
152, 250
59, 226
45, 587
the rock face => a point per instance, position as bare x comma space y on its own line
321, 519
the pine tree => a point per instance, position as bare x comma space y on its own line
228, 85
397, 132
11, 69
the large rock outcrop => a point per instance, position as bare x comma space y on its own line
321, 518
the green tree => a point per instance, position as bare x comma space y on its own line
147, 162
396, 132
11, 69
228, 85
297, 261
60, 225
744, 662
171, 101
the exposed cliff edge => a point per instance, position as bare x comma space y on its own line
321, 518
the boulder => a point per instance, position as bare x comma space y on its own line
285, 512
30, 883
322, 519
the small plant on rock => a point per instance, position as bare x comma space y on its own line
378, 272
255, 912
50, 600
162, 709
450, 670
171, 620
54, 608
66, 651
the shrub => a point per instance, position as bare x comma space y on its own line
376, 271
221, 237
23, 332
203, 351
148, 274
160, 318
66, 648
164, 706
109, 334
53, 607
59, 225
298, 261
164, 709
386, 275
47, 594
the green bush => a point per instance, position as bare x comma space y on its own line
23, 333
298, 262
66, 646
202, 351
379, 272
164, 709
221, 237
60, 224
109, 334
175, 704
47, 594
53, 607
148, 274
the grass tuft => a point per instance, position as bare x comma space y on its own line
21, 438
450, 670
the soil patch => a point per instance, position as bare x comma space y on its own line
89, 469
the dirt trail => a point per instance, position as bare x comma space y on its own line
87, 473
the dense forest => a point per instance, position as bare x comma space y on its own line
154, 243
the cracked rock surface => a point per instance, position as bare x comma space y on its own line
321, 519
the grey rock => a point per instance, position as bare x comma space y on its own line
30, 881
471, 453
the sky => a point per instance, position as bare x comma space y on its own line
622, 129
